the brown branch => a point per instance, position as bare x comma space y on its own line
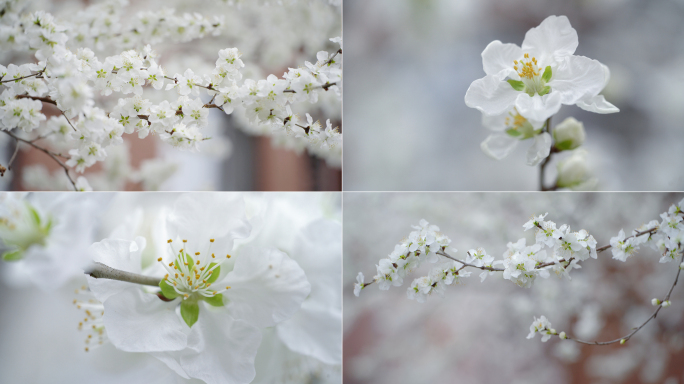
101, 271
43, 99
21, 78
653, 316
47, 152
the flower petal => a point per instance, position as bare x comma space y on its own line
139, 322
498, 145
198, 218
538, 108
118, 254
497, 59
226, 349
314, 331
540, 149
597, 104
577, 77
554, 39
490, 95
267, 287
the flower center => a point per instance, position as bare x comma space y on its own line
191, 276
21, 226
518, 126
532, 79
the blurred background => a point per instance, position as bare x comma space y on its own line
410, 62
477, 332
272, 37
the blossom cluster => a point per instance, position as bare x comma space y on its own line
526, 85
71, 77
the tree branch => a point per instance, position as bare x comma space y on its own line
101, 271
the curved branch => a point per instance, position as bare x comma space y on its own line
49, 153
653, 316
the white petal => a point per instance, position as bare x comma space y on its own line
490, 95
267, 287
140, 322
597, 104
538, 108
496, 123
553, 39
314, 331
118, 254
497, 59
226, 349
200, 217
540, 149
577, 77
499, 145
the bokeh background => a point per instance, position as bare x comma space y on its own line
477, 332
272, 37
410, 62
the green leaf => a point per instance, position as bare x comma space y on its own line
190, 311
216, 300
516, 84
544, 91
513, 132
565, 145
167, 290
214, 274
187, 259
546, 76
34, 215
13, 255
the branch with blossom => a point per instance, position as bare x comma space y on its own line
557, 249
525, 86
66, 77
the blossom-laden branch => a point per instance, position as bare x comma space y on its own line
68, 79
525, 86
101, 271
556, 249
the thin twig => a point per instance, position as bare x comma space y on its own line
43, 99
49, 153
443, 253
16, 150
547, 128
653, 316
101, 271
21, 78
68, 121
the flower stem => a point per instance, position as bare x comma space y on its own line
101, 271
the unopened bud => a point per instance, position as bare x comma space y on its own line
655, 302
569, 134
573, 172
666, 303
623, 341
563, 336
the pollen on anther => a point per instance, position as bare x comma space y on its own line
169, 241
176, 275
227, 256
170, 264
186, 295
197, 260
212, 256
228, 287
159, 259
211, 240
185, 241
196, 253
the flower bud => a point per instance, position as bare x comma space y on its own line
666, 303
563, 336
655, 302
574, 173
553, 331
623, 341
569, 134
681, 266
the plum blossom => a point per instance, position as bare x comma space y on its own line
217, 300
539, 76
